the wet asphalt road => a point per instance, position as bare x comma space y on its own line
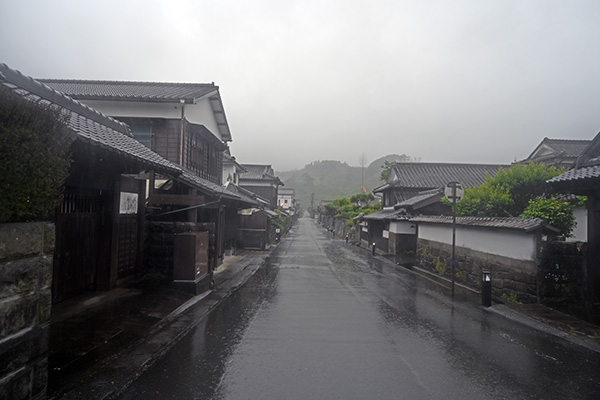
325, 320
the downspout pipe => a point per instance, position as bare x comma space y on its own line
182, 102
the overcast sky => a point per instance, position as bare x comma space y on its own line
478, 81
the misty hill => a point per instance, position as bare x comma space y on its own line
330, 180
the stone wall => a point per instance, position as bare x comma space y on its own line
25, 301
512, 280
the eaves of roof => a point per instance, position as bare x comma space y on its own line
85, 123
386, 215
577, 175
422, 199
206, 186
132, 91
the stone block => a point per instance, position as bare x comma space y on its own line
22, 350
16, 386
19, 312
40, 377
21, 240
26, 275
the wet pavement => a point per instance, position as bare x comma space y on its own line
99, 342
323, 319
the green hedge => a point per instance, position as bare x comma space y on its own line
35, 158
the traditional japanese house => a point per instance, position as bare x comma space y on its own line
584, 179
261, 179
415, 188
183, 122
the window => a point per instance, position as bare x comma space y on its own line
143, 134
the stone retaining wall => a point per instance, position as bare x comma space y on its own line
26, 251
512, 280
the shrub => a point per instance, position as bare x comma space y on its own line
35, 158
555, 212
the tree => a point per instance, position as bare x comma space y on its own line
363, 199
519, 191
555, 212
508, 193
35, 159
386, 168
363, 161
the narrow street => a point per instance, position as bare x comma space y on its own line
325, 320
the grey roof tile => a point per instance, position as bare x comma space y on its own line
526, 224
87, 124
421, 197
568, 147
120, 90
260, 172
386, 215
580, 174
436, 175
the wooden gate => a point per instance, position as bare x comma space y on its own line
77, 245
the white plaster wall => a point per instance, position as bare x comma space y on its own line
281, 201
136, 109
228, 170
580, 231
200, 113
403, 227
510, 243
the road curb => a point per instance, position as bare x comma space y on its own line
117, 373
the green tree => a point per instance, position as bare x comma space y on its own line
35, 162
555, 212
386, 168
363, 199
508, 193
519, 191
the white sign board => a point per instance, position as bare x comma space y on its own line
449, 191
128, 203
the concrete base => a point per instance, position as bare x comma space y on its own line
195, 287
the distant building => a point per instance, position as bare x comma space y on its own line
557, 152
287, 200
261, 179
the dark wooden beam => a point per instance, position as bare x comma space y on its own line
175, 199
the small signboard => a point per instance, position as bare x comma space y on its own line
454, 191
128, 203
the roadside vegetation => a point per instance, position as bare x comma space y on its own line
520, 191
35, 158
349, 208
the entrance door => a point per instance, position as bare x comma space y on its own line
77, 246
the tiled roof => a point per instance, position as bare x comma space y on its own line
571, 148
118, 90
580, 174
97, 129
526, 224
420, 198
436, 175
386, 215
261, 172
86, 123
207, 186
163, 92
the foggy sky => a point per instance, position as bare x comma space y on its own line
479, 81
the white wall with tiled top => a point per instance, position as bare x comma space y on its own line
511, 243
